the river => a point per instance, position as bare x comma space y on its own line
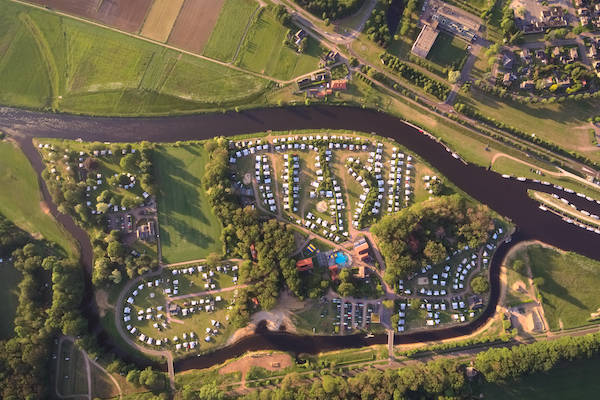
508, 197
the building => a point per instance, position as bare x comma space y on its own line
146, 232
527, 85
339, 84
425, 40
361, 250
305, 264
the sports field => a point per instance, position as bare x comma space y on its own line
573, 381
263, 50
227, 34
448, 51
20, 199
55, 62
570, 288
195, 24
161, 18
9, 297
188, 228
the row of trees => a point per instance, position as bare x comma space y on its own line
428, 232
438, 89
376, 27
331, 9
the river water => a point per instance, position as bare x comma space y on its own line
506, 196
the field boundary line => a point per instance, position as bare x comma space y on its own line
248, 25
137, 36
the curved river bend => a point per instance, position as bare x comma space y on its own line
506, 196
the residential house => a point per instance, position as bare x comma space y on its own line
573, 53
146, 232
527, 85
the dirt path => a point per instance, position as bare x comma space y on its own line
207, 292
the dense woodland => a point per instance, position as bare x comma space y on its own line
273, 267
428, 232
331, 9
49, 297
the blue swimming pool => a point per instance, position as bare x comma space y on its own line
341, 258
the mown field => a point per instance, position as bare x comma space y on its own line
569, 285
161, 18
47, 61
188, 228
448, 51
576, 380
229, 30
263, 50
20, 199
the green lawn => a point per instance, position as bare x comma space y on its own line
575, 380
263, 50
9, 298
20, 200
227, 33
448, 51
564, 124
188, 228
50, 61
571, 286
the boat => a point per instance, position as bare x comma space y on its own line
543, 208
505, 176
369, 335
521, 178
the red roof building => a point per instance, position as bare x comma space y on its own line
339, 84
305, 264
333, 270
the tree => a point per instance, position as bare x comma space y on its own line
518, 266
129, 162
435, 252
116, 276
133, 376
152, 379
115, 251
480, 285
453, 76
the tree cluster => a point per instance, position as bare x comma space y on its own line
428, 232
417, 78
331, 9
50, 293
376, 27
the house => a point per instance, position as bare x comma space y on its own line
339, 84
507, 62
526, 56
253, 252
507, 79
305, 264
573, 53
146, 232
593, 52
541, 55
556, 52
301, 34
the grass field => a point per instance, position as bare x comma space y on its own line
20, 200
263, 50
227, 33
570, 289
188, 228
47, 61
448, 51
575, 380
9, 297
564, 124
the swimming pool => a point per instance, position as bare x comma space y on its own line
341, 258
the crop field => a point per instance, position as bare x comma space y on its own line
22, 205
161, 18
569, 287
229, 29
195, 24
9, 296
47, 61
127, 15
263, 50
188, 228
